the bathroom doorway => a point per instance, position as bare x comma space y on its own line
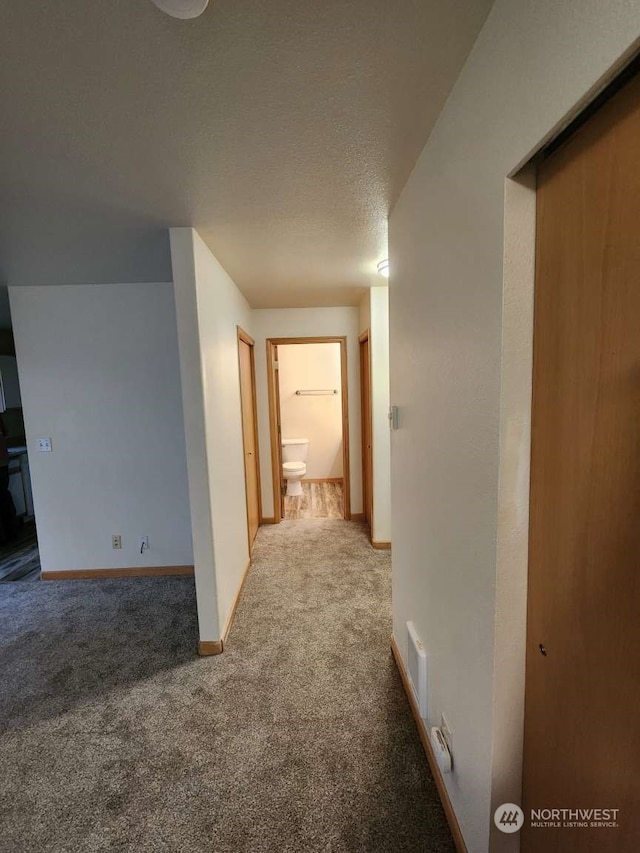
309, 426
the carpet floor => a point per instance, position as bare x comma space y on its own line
115, 737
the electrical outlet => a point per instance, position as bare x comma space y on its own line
116, 541
447, 733
143, 544
44, 445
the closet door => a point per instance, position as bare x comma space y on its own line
582, 719
249, 433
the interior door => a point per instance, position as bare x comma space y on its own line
367, 453
582, 718
249, 434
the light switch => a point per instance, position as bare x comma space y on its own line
44, 445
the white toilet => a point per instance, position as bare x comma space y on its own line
294, 464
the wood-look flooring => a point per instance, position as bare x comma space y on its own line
319, 500
20, 559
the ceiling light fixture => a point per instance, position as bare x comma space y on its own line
183, 9
383, 268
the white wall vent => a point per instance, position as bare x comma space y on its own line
417, 668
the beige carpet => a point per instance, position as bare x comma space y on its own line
297, 740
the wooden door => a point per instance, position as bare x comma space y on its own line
582, 718
249, 433
367, 453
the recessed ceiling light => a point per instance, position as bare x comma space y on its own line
383, 268
182, 8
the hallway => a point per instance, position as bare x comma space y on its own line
297, 738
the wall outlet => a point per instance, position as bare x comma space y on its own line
447, 733
440, 750
44, 445
143, 544
116, 541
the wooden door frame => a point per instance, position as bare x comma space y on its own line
512, 569
566, 169
247, 339
276, 455
365, 337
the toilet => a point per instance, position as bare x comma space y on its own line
294, 464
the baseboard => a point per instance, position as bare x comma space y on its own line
206, 648
357, 516
322, 479
381, 546
236, 601
133, 572
452, 820
269, 520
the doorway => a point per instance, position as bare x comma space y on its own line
366, 419
582, 695
19, 553
308, 413
246, 358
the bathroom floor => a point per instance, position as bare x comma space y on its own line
318, 500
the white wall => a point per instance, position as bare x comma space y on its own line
308, 322
195, 428
374, 316
513, 493
532, 67
313, 366
364, 316
99, 375
210, 308
381, 438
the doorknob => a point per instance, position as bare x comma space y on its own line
543, 649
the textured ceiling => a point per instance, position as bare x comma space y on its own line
283, 130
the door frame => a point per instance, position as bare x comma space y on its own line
365, 337
243, 337
597, 123
512, 541
274, 418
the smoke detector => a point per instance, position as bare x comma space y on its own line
184, 9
